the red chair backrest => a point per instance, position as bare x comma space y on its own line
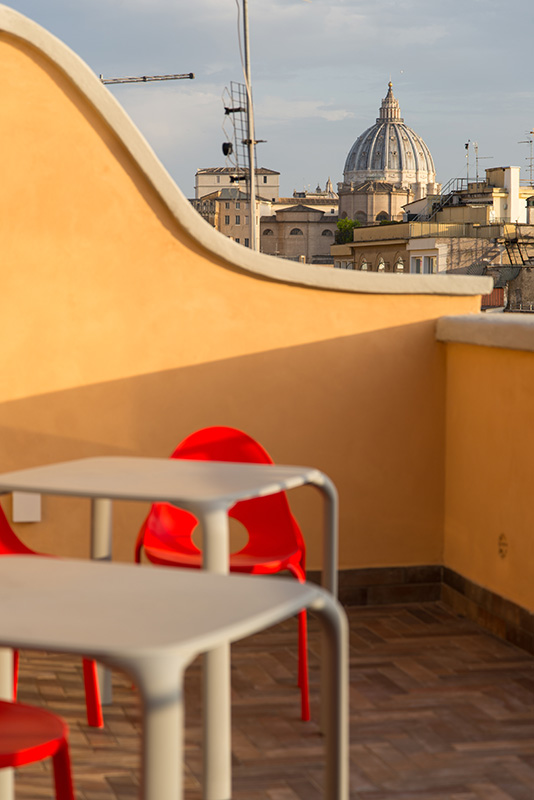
271, 527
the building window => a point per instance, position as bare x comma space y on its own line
246, 220
296, 232
238, 204
265, 178
267, 232
237, 219
227, 219
218, 178
429, 265
236, 240
399, 265
415, 265
227, 205
247, 242
381, 266
327, 233
364, 266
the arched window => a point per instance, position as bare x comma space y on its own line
327, 233
382, 216
399, 264
363, 263
267, 232
381, 267
296, 232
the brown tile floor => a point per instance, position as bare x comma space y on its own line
439, 709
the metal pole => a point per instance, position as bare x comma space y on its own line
250, 134
467, 160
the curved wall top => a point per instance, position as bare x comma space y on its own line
235, 256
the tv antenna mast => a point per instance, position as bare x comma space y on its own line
240, 111
530, 159
147, 78
478, 158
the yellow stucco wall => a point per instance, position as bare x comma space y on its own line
489, 468
122, 333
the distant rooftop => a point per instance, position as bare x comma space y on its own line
234, 170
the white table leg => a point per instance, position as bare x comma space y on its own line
217, 689
101, 540
160, 682
330, 534
335, 696
329, 578
7, 776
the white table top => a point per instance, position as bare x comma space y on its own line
126, 610
189, 484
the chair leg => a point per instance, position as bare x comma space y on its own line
92, 694
15, 673
303, 666
303, 681
63, 774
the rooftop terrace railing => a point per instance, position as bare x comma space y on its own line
454, 229
426, 229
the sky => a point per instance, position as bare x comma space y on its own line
461, 70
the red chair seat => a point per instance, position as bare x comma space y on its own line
29, 734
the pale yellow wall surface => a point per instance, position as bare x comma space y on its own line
489, 469
122, 334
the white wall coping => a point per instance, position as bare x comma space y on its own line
512, 331
236, 256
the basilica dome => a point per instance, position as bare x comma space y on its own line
391, 152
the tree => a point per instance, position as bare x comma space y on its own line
345, 228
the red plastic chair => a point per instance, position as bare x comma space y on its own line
29, 734
10, 544
275, 541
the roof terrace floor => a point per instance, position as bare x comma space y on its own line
439, 709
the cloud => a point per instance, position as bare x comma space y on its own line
279, 109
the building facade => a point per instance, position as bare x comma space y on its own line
214, 179
300, 232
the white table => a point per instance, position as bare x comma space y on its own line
208, 489
152, 623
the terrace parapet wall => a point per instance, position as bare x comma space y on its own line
129, 321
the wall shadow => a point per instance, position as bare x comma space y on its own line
367, 409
